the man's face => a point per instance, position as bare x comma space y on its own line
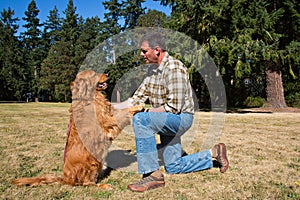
149, 54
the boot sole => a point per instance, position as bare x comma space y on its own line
223, 155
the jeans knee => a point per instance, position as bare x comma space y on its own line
135, 118
140, 118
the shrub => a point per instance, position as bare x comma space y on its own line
293, 100
251, 102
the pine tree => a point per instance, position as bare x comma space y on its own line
289, 44
120, 16
51, 35
257, 41
244, 40
90, 29
31, 40
60, 66
112, 17
152, 18
52, 26
13, 83
132, 10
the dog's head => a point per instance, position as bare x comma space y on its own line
86, 83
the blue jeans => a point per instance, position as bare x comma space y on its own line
170, 127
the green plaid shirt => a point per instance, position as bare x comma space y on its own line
167, 86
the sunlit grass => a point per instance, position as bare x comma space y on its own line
263, 149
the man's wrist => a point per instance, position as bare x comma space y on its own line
159, 109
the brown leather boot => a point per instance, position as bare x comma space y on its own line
219, 153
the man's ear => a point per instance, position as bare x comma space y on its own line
157, 50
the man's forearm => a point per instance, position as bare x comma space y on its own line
123, 105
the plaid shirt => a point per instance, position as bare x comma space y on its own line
168, 85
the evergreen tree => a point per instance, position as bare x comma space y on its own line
120, 16
132, 10
243, 39
152, 18
289, 44
60, 67
52, 26
11, 60
51, 35
111, 27
88, 38
202, 21
70, 24
256, 44
31, 40
112, 17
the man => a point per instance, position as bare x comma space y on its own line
169, 92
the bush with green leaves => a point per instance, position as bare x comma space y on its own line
251, 102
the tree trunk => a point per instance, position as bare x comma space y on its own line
274, 89
118, 96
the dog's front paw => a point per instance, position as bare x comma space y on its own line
111, 136
135, 109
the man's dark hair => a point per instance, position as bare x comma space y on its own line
154, 39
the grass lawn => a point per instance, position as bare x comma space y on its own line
263, 150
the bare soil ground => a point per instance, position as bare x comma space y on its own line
263, 149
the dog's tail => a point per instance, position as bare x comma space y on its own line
36, 181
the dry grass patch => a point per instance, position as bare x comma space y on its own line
263, 149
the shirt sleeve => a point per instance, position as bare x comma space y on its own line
141, 94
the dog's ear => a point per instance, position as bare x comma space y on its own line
84, 86
72, 86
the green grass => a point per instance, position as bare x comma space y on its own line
263, 149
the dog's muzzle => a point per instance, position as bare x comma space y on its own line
102, 85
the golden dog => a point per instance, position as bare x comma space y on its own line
94, 123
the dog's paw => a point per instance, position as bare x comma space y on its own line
136, 109
111, 136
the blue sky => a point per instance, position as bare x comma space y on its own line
85, 8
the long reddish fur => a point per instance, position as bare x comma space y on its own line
80, 167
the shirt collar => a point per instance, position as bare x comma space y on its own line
163, 62
155, 69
